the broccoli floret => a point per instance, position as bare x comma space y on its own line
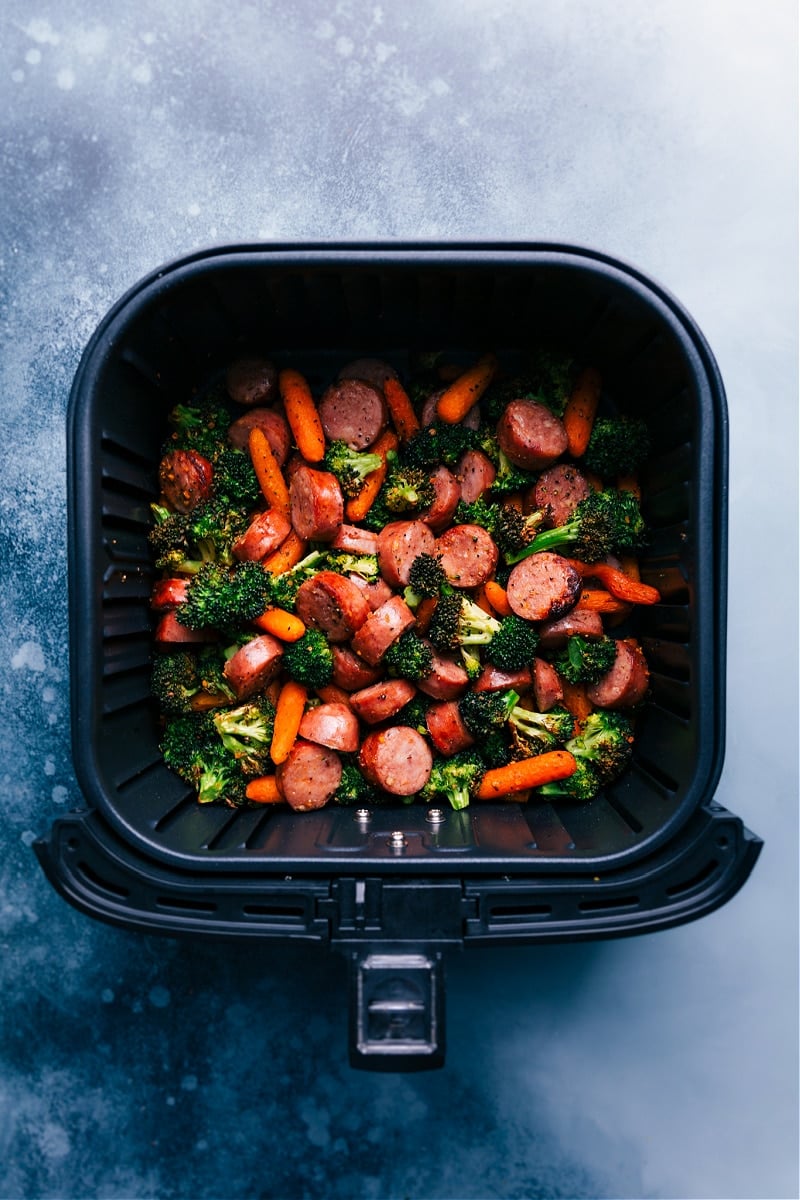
458, 621
582, 784
454, 779
583, 660
169, 541
485, 713
210, 668
214, 526
617, 446
408, 489
309, 660
349, 466
283, 588
201, 426
478, 512
225, 597
345, 563
413, 714
193, 750
425, 580
631, 533
592, 532
551, 375
513, 645
409, 657
174, 680
495, 748
247, 732
235, 480
508, 478
541, 731
605, 742
472, 663
354, 789
378, 515
515, 530
436, 444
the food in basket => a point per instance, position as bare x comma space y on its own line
398, 593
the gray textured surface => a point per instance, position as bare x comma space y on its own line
662, 133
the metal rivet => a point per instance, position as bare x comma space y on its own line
397, 840
435, 816
362, 814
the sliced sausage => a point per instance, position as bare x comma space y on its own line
317, 504
169, 631
446, 680
382, 629
254, 665
477, 474
583, 622
626, 682
371, 370
558, 492
333, 604
397, 760
353, 412
530, 435
382, 701
168, 593
252, 381
272, 424
447, 494
355, 540
399, 543
492, 679
263, 535
350, 671
375, 591
543, 587
186, 478
332, 725
310, 775
547, 689
448, 732
468, 555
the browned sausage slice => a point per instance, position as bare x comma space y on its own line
253, 665
263, 535
333, 725
272, 424
382, 629
375, 591
169, 631
309, 776
543, 587
371, 370
186, 478
477, 474
492, 679
168, 593
354, 412
447, 494
252, 380
626, 682
399, 543
317, 504
448, 732
350, 672
547, 689
558, 492
383, 700
355, 540
530, 435
397, 760
468, 555
446, 680
583, 622
333, 604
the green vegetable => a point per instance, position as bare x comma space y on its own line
617, 446
309, 660
514, 644
454, 779
584, 660
246, 731
349, 466
224, 597
409, 657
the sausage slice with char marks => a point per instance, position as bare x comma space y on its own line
382, 629
333, 604
397, 760
186, 478
254, 665
310, 775
543, 587
355, 540
547, 688
626, 682
583, 622
477, 474
263, 535
446, 680
530, 435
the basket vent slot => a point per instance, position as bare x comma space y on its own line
695, 881
102, 884
519, 912
285, 912
608, 903
182, 904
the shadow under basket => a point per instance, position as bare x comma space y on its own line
393, 889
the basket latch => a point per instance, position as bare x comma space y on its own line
396, 1011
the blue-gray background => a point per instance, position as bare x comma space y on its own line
664, 133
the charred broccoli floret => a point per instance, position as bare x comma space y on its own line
170, 542
409, 657
485, 713
535, 732
584, 660
515, 530
454, 779
458, 621
190, 747
617, 446
201, 426
601, 524
605, 743
235, 479
246, 731
478, 512
513, 645
408, 489
436, 444
350, 467
582, 784
508, 478
177, 678
354, 789
214, 526
413, 714
426, 579
223, 597
345, 563
309, 660
283, 588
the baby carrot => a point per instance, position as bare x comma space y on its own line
281, 624
359, 506
599, 600
264, 790
268, 472
288, 554
575, 699
496, 595
617, 582
456, 401
526, 773
288, 715
302, 415
402, 412
580, 411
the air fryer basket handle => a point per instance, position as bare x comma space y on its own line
396, 1009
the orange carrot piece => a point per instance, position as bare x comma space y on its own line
331, 694
204, 701
629, 565
358, 507
264, 790
617, 582
288, 715
456, 401
580, 411
281, 624
496, 595
575, 699
268, 473
527, 773
599, 600
425, 610
629, 483
302, 415
290, 551
401, 410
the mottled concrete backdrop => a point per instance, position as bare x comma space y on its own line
664, 133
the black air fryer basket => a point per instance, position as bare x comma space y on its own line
393, 890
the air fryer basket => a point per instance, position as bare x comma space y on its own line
315, 307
